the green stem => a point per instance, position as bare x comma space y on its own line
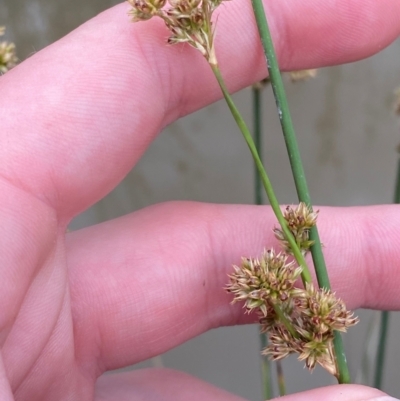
286, 322
306, 276
266, 369
297, 167
257, 122
381, 351
343, 374
384, 326
289, 135
281, 379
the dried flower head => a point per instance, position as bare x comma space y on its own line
299, 221
313, 352
8, 58
298, 320
324, 311
261, 282
281, 343
143, 10
320, 352
314, 315
189, 21
302, 75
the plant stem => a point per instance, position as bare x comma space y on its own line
384, 326
285, 321
305, 275
297, 168
289, 133
266, 370
258, 198
381, 351
257, 123
370, 344
281, 379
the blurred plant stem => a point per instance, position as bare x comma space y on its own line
305, 275
266, 373
343, 375
258, 198
381, 351
369, 351
257, 128
384, 325
281, 379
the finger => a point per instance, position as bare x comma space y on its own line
343, 392
77, 116
147, 282
158, 384
169, 385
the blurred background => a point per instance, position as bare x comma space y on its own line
348, 137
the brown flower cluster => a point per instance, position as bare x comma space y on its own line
298, 320
302, 75
299, 221
8, 58
189, 21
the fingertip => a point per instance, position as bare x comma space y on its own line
342, 392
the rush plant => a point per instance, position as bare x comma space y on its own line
307, 320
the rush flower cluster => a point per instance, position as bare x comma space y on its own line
299, 221
300, 321
8, 58
189, 21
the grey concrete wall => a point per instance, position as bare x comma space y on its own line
348, 137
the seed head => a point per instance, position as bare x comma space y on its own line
143, 10
189, 21
8, 58
325, 312
320, 352
184, 6
302, 75
299, 222
298, 320
281, 343
260, 282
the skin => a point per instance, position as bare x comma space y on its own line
75, 118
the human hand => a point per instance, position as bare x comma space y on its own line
75, 118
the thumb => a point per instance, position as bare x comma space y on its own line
343, 392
